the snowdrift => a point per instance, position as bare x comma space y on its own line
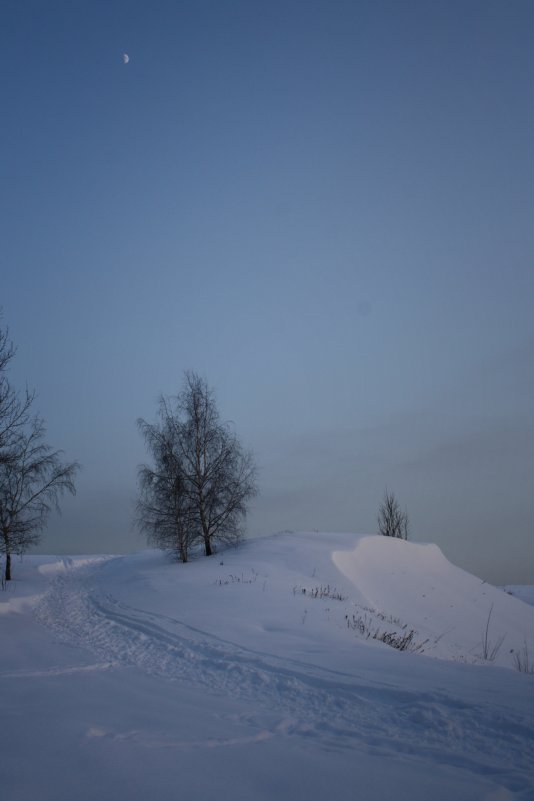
455, 614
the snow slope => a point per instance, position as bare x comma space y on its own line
254, 674
523, 591
450, 609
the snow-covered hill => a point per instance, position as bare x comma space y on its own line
265, 672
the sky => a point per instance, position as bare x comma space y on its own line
325, 209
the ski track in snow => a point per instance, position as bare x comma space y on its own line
337, 708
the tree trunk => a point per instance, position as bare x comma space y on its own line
8, 566
205, 529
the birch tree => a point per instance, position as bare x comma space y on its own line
202, 478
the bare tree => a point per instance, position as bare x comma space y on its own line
14, 410
163, 509
392, 521
32, 475
31, 481
205, 469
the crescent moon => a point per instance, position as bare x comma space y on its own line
125, 58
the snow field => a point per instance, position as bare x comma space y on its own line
264, 628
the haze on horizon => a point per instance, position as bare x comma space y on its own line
323, 208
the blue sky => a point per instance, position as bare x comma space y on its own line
325, 208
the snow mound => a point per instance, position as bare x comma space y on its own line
456, 614
303, 594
